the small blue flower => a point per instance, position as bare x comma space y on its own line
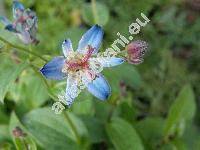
78, 67
24, 24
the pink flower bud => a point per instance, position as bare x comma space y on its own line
136, 51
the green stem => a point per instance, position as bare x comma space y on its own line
72, 126
94, 11
122, 53
23, 49
45, 82
30, 49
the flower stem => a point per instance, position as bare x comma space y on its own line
72, 126
122, 54
23, 49
44, 81
30, 49
94, 8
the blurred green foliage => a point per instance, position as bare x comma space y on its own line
153, 105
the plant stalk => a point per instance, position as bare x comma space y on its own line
94, 11
72, 126
19, 48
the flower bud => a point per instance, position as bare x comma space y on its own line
17, 132
136, 51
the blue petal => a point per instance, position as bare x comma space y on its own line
4, 20
99, 87
92, 37
67, 47
110, 61
18, 8
10, 28
72, 90
53, 69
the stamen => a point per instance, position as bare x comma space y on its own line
77, 61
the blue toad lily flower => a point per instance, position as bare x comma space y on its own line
82, 67
24, 24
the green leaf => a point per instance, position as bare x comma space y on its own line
8, 35
127, 112
54, 131
98, 15
35, 91
4, 133
83, 104
3, 116
9, 71
179, 144
150, 130
24, 141
29, 92
6, 146
182, 109
102, 110
123, 135
191, 136
95, 128
29, 88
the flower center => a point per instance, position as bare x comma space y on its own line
76, 61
